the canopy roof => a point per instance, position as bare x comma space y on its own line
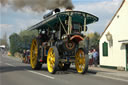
77, 16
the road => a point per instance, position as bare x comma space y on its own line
13, 72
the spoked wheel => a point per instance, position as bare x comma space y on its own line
34, 54
81, 61
52, 60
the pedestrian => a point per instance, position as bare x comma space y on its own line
27, 56
90, 57
95, 57
24, 54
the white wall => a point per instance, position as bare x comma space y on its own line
119, 30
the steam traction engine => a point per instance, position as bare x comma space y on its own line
61, 41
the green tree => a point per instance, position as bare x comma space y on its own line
26, 38
15, 43
94, 40
21, 41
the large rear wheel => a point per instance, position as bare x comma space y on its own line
34, 54
52, 60
81, 61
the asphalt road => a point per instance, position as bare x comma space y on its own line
13, 72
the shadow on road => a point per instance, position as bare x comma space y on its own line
72, 70
4, 69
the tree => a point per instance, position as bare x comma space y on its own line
21, 41
26, 38
15, 43
94, 40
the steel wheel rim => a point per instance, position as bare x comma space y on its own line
80, 61
34, 53
51, 60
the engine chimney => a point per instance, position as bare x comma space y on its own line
51, 13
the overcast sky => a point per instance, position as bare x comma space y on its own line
15, 21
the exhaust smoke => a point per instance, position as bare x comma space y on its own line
37, 5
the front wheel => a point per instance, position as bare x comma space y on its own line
52, 60
34, 54
81, 61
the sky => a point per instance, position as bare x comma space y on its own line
15, 21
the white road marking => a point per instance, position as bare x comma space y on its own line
41, 74
124, 80
10, 64
33, 72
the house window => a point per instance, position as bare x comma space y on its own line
105, 49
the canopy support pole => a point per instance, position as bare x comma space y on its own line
62, 25
85, 23
69, 24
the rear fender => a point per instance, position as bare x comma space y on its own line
76, 38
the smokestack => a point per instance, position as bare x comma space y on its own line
51, 13
37, 5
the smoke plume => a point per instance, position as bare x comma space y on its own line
37, 5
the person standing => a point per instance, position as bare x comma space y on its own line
95, 57
90, 54
27, 56
24, 55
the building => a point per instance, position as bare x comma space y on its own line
114, 40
